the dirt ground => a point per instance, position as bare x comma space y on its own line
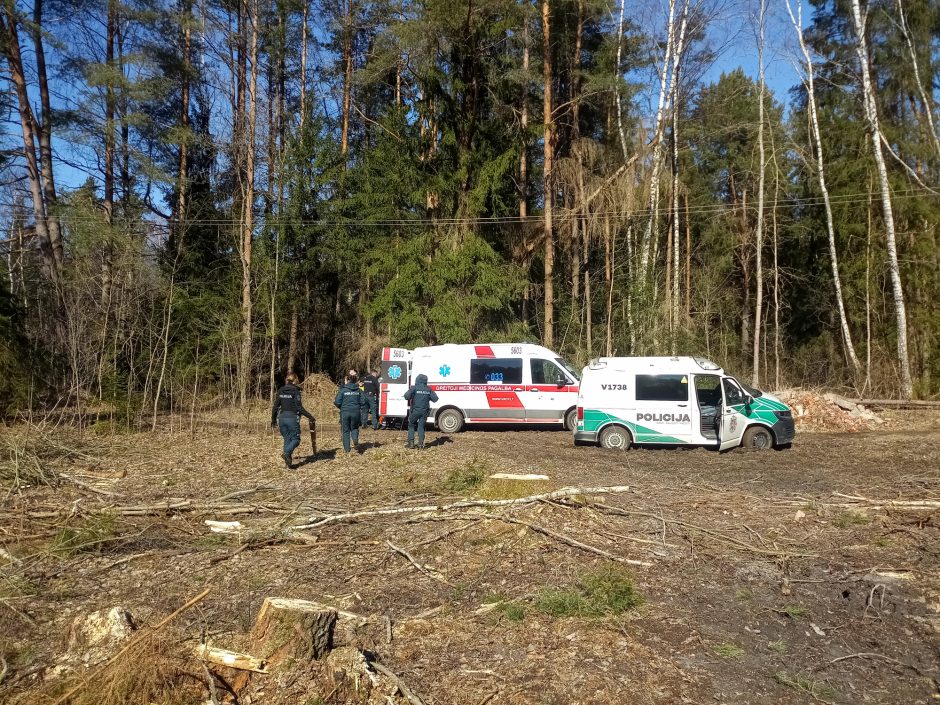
793, 576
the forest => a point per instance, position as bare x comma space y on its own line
197, 197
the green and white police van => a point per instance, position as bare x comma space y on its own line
626, 401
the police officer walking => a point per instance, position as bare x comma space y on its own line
370, 388
285, 415
420, 396
350, 401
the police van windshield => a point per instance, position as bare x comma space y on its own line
568, 368
754, 392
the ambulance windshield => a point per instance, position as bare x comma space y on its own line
568, 368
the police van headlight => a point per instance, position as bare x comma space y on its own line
784, 414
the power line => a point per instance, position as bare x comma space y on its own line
708, 209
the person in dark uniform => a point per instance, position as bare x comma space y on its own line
370, 387
420, 397
350, 402
285, 415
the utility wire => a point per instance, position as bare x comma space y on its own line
709, 209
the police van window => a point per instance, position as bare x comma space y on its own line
545, 372
662, 387
498, 370
733, 393
708, 390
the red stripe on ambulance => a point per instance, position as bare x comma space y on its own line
483, 351
503, 400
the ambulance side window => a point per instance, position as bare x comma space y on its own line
498, 370
545, 372
733, 393
662, 388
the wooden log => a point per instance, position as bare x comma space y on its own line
899, 404
229, 659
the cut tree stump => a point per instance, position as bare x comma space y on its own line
288, 628
293, 629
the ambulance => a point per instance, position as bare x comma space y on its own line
626, 401
511, 383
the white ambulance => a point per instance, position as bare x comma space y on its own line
628, 401
512, 383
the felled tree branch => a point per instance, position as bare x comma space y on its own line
465, 504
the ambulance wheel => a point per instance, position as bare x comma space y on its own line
616, 438
571, 420
450, 421
757, 438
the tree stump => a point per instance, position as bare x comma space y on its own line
289, 629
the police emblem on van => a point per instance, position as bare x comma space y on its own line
665, 418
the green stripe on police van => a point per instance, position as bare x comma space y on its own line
595, 419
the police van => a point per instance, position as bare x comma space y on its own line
511, 383
627, 401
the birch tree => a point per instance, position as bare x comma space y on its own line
870, 105
810, 86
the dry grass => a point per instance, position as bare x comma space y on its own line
156, 670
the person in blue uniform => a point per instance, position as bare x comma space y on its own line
350, 401
420, 397
285, 416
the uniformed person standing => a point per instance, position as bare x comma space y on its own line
420, 396
370, 387
285, 415
350, 402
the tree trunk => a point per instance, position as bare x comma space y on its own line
304, 30
183, 178
874, 129
11, 47
524, 125
248, 209
347, 73
821, 178
925, 98
674, 308
759, 230
548, 178
45, 141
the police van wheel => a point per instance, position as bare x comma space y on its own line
571, 420
757, 438
450, 421
616, 438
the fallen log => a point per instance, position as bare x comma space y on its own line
229, 659
464, 504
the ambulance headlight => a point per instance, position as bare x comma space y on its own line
784, 414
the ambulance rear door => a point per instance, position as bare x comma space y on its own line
395, 380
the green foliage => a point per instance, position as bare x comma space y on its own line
466, 478
806, 684
85, 536
20, 370
849, 518
609, 591
731, 651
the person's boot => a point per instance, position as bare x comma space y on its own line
287, 461
409, 445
